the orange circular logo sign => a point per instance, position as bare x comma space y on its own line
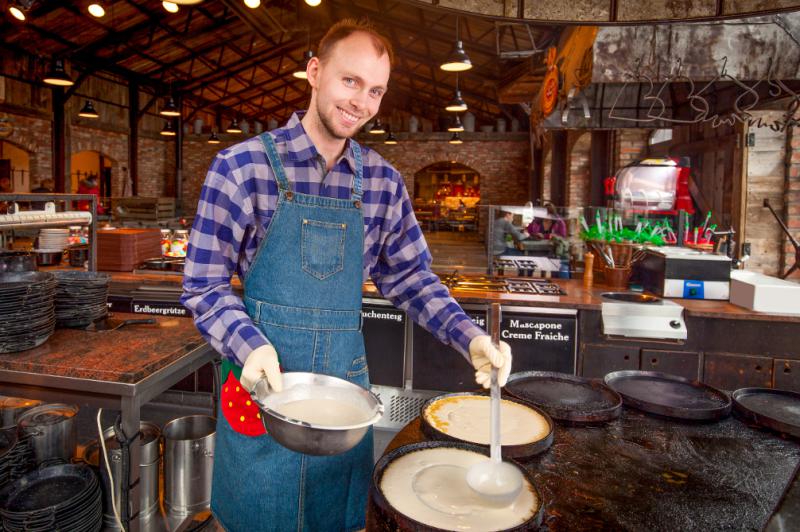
549, 91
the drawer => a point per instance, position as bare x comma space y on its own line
786, 374
682, 363
598, 360
731, 371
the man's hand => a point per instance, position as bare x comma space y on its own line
484, 355
262, 361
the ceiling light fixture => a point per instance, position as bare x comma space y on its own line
313, 3
457, 104
19, 9
171, 7
96, 9
300, 73
213, 139
57, 75
88, 110
170, 109
168, 130
455, 139
456, 126
390, 139
186, 2
17, 13
377, 128
458, 60
252, 4
234, 127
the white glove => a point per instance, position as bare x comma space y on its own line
484, 355
262, 361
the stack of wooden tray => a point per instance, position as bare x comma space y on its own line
122, 249
138, 208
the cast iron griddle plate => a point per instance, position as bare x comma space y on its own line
774, 409
669, 395
566, 397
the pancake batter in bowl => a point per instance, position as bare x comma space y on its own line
466, 417
429, 486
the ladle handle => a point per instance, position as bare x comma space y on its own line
494, 413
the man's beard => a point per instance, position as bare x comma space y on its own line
329, 127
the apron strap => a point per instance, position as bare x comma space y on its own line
357, 192
274, 161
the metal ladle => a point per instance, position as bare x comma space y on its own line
495, 481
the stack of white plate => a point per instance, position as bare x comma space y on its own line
53, 238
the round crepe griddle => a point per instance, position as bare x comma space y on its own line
568, 398
778, 410
669, 395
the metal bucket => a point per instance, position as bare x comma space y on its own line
12, 407
52, 430
149, 462
188, 463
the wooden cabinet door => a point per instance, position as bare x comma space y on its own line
732, 371
681, 363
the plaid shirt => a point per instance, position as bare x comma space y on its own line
236, 206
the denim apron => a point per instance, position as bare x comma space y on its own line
303, 291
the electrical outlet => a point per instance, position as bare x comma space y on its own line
746, 248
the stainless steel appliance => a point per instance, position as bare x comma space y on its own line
635, 315
685, 273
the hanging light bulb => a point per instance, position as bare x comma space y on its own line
234, 127
457, 104
96, 9
458, 60
377, 128
456, 125
300, 73
213, 139
57, 75
252, 4
88, 110
186, 2
313, 3
170, 109
19, 9
168, 130
171, 7
455, 139
390, 139
17, 13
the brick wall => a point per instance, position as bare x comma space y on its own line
791, 192
629, 145
33, 135
579, 171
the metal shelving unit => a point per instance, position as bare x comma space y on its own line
40, 219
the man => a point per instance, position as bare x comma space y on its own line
303, 215
502, 228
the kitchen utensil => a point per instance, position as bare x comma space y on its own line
568, 398
48, 257
52, 430
188, 463
669, 395
17, 261
524, 450
78, 255
495, 480
310, 438
778, 410
111, 324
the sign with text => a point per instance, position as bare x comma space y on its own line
384, 329
161, 308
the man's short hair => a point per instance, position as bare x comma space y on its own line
504, 214
348, 26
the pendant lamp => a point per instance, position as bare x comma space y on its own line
234, 127
300, 73
390, 139
377, 128
97, 9
455, 139
457, 104
456, 126
213, 139
313, 3
252, 4
170, 109
19, 9
186, 2
458, 60
57, 75
171, 7
88, 110
168, 130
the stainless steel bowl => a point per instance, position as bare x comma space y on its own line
307, 438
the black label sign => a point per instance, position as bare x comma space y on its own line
384, 331
160, 308
540, 342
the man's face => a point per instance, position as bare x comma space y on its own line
349, 86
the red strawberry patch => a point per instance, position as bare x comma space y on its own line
242, 413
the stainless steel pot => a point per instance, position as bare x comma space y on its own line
78, 255
150, 459
307, 438
188, 463
52, 430
12, 407
49, 257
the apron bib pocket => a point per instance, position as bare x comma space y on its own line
322, 248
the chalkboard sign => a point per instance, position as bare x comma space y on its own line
440, 367
384, 329
541, 342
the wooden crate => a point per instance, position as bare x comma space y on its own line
143, 208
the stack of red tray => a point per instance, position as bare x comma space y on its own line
122, 249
